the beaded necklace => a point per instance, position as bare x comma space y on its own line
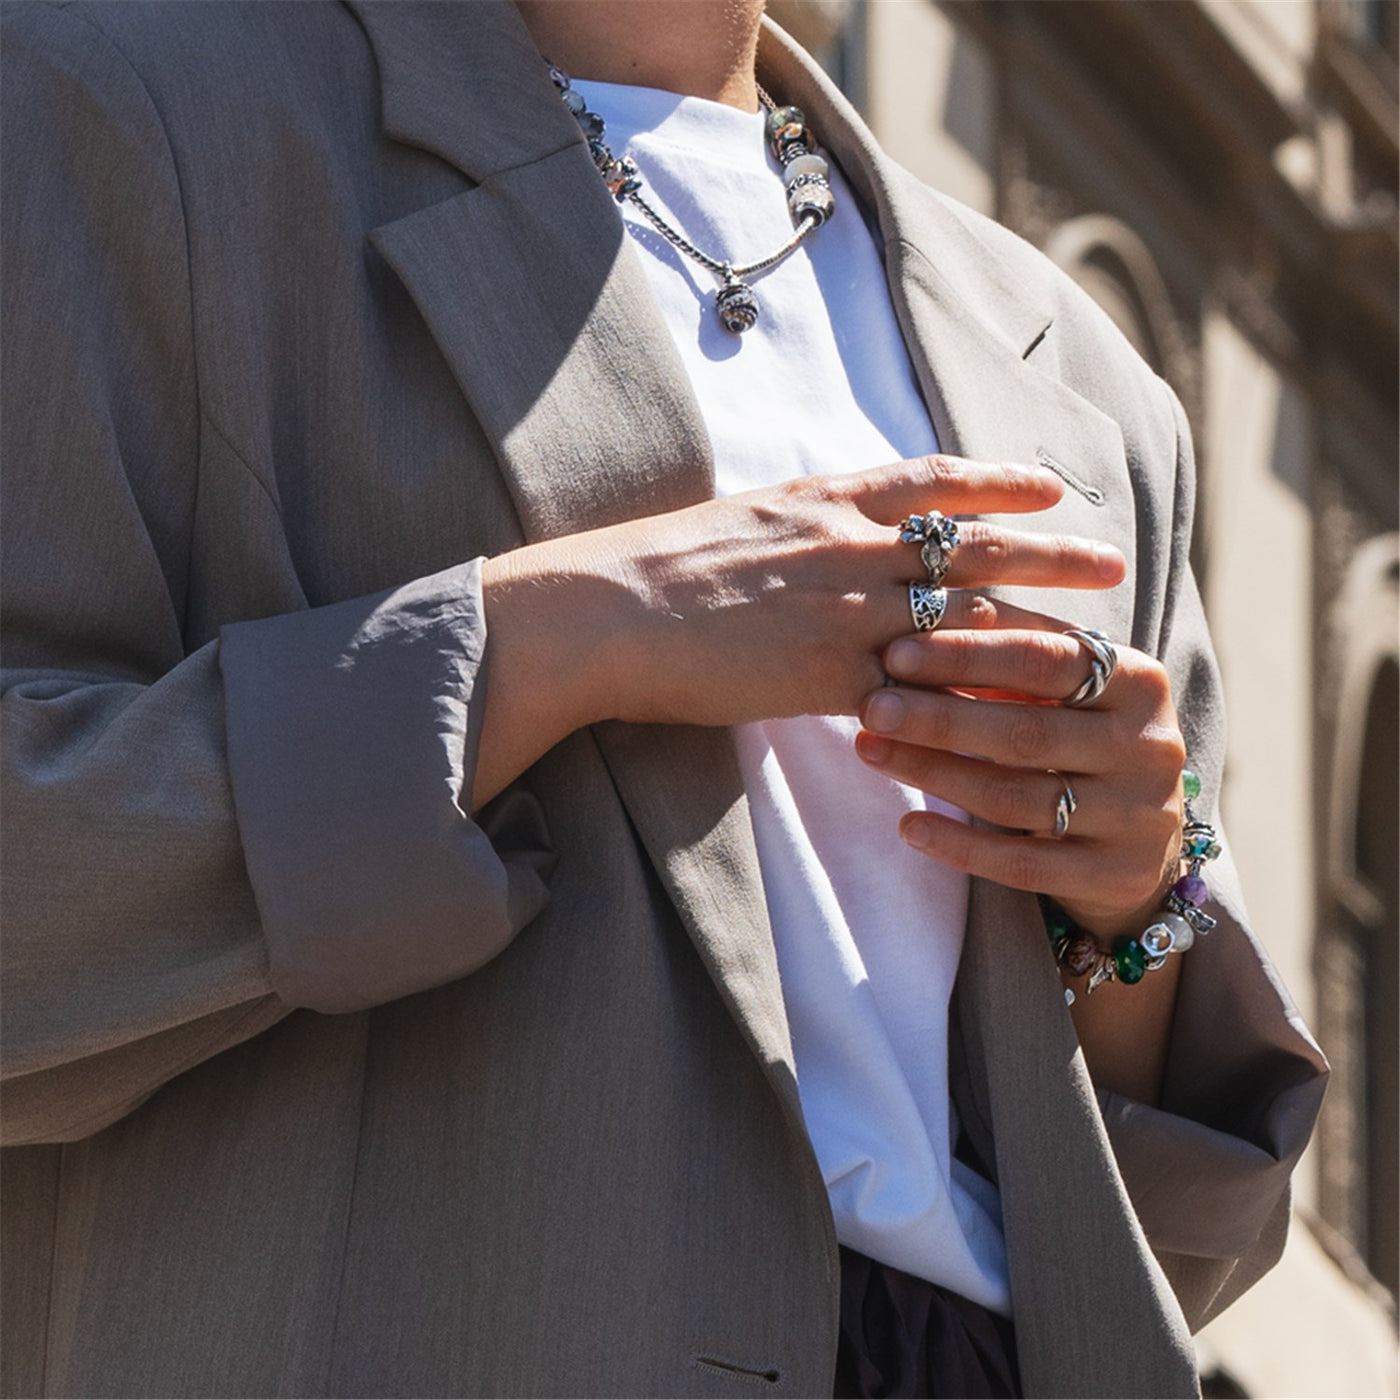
805, 175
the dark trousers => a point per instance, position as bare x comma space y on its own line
903, 1336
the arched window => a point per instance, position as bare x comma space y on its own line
1116, 268
1359, 954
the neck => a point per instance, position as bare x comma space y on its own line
700, 48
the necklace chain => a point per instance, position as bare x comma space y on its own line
805, 174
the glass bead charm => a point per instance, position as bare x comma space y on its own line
1130, 960
1079, 955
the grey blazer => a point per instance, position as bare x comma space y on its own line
316, 1085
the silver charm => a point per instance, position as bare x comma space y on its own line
1104, 972
1158, 939
737, 307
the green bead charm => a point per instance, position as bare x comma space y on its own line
1129, 959
1190, 784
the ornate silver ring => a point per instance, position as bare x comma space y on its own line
1103, 661
927, 604
937, 538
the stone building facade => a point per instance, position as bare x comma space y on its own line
1221, 176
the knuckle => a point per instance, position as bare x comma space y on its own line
941, 470
831, 490
981, 612
1028, 734
1148, 676
1166, 749
936, 723
1068, 552
1044, 662
959, 652
1022, 867
993, 552
1011, 801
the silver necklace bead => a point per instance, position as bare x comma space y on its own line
805, 177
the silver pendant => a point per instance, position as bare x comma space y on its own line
737, 307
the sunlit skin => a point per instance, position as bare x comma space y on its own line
792, 600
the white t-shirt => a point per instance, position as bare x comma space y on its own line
868, 932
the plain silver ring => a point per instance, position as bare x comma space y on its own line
1065, 806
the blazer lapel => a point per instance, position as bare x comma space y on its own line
974, 355
540, 305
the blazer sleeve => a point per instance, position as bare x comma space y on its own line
1208, 1168
198, 839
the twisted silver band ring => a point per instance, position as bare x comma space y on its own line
927, 604
1103, 661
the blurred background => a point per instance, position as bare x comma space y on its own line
1221, 176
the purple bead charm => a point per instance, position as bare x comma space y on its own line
1192, 888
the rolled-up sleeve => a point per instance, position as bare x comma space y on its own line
1208, 1167
199, 835
352, 734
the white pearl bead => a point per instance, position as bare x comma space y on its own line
1182, 932
805, 165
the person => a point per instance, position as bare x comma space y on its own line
459, 937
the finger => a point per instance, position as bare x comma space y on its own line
990, 554
1064, 870
1024, 799
953, 485
1147, 813
1040, 662
1012, 734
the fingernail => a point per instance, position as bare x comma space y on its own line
915, 833
873, 750
884, 712
902, 658
1108, 561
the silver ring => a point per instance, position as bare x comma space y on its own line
937, 537
927, 604
1103, 661
1065, 807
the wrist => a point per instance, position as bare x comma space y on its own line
1128, 949
556, 617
